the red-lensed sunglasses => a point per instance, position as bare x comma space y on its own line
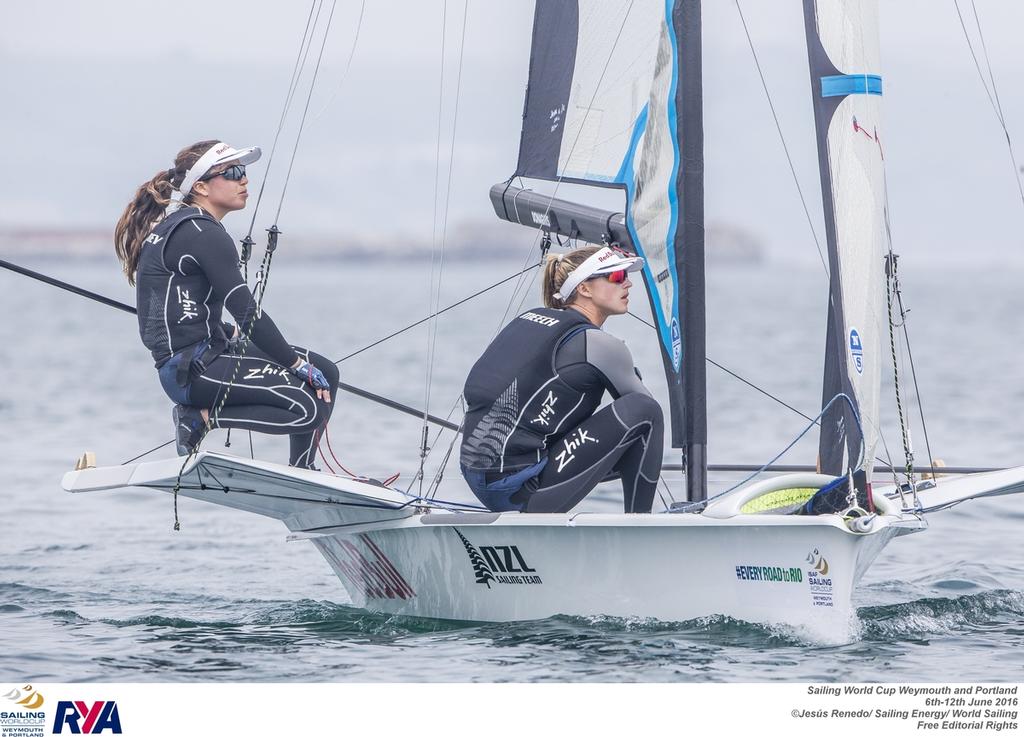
615, 277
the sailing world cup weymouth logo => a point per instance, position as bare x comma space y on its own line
22, 715
856, 350
818, 579
502, 564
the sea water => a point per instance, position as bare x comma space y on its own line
98, 587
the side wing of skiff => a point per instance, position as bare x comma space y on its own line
302, 499
948, 492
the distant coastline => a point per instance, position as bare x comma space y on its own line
467, 241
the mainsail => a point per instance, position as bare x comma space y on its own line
843, 49
614, 101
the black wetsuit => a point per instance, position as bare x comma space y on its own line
532, 440
187, 274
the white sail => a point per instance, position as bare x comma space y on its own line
844, 56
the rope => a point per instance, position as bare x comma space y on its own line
305, 110
993, 94
435, 294
264, 273
891, 286
694, 506
782, 139
300, 62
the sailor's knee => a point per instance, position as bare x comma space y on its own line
639, 407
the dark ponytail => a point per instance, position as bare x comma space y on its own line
147, 207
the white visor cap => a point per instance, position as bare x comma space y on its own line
219, 153
604, 261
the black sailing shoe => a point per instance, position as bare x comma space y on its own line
188, 428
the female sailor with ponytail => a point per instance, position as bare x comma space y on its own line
533, 438
184, 266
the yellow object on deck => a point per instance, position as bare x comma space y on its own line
781, 501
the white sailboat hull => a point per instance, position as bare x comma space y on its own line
796, 571
397, 555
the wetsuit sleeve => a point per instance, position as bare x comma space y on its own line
594, 360
613, 363
215, 254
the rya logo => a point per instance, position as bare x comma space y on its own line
82, 718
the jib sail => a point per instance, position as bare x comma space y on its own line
846, 86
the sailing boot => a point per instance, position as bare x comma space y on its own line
188, 428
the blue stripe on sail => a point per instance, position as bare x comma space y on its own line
627, 177
841, 85
626, 170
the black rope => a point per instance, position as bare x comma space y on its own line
439, 312
737, 376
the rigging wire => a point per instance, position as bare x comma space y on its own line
300, 61
348, 63
439, 312
305, 111
693, 506
993, 93
782, 139
264, 271
735, 375
438, 244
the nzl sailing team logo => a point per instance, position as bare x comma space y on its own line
856, 350
498, 564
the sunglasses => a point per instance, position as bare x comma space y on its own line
615, 277
233, 173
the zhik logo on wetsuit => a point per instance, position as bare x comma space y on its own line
547, 410
189, 307
268, 369
570, 443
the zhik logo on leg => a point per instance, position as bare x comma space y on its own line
570, 443
82, 718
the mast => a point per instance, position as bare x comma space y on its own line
690, 250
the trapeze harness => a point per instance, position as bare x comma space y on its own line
187, 274
532, 440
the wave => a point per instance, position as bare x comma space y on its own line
941, 615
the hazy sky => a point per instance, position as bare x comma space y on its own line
97, 97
